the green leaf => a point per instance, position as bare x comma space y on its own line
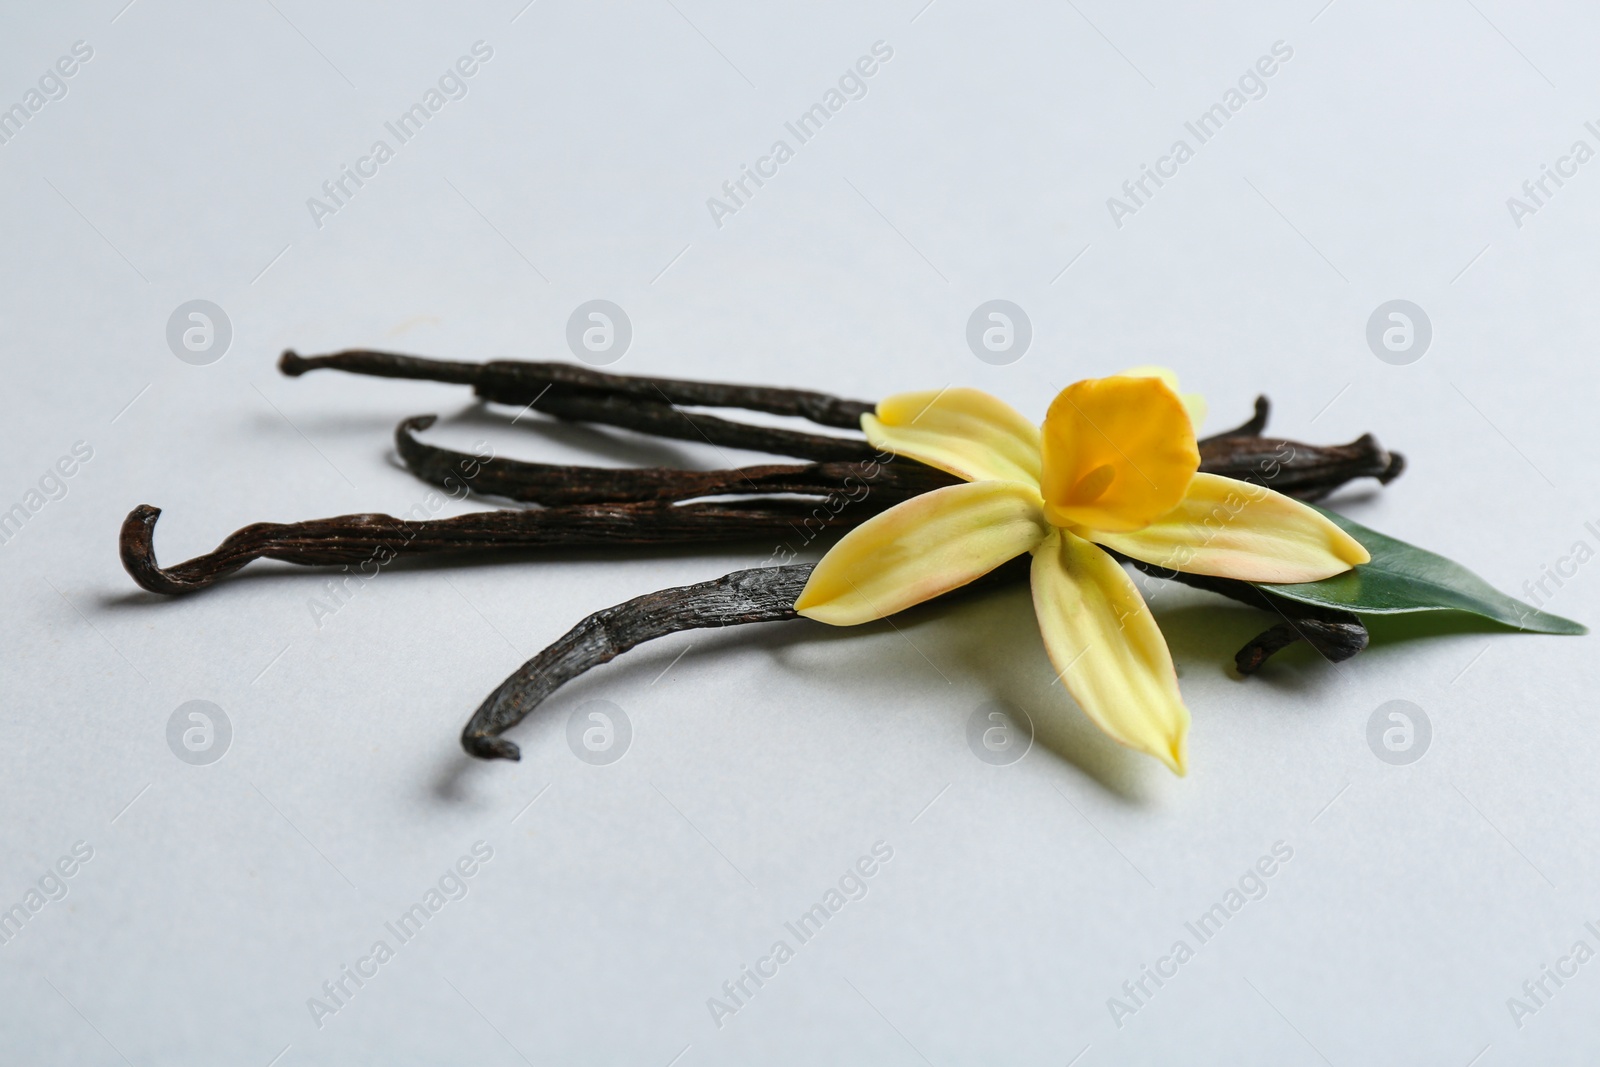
1403, 578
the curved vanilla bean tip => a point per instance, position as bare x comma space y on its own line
136, 545
313, 542
409, 426
763, 594
1393, 463
1336, 639
490, 747
1251, 427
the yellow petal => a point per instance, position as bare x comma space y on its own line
1193, 403
1107, 648
1232, 529
1118, 453
966, 432
915, 551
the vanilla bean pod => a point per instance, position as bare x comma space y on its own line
520, 381
763, 594
767, 594
1251, 427
549, 484
645, 405
664, 420
1309, 472
377, 539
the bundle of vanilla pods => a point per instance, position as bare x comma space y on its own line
842, 482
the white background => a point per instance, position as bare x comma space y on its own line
765, 761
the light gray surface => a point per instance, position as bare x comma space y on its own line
977, 166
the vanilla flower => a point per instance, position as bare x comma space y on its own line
1115, 465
